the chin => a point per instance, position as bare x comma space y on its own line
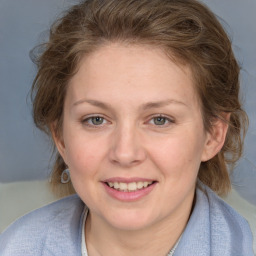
130, 220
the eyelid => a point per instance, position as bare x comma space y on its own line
84, 120
168, 118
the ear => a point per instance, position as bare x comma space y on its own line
58, 140
215, 138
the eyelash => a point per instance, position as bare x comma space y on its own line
88, 121
167, 119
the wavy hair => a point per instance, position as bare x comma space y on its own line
185, 29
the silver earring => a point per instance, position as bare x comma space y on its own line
65, 176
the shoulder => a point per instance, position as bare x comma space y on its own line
221, 210
33, 232
214, 228
227, 225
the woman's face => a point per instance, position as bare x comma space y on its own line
133, 136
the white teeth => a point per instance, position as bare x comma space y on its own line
132, 186
111, 184
123, 186
145, 184
140, 185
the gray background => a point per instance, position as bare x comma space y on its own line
25, 152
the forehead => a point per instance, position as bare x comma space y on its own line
143, 72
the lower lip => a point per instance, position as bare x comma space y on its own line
128, 196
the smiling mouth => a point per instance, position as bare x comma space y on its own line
129, 187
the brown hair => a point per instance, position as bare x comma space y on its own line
186, 29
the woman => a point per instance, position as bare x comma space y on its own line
141, 100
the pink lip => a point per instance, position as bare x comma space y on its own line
128, 196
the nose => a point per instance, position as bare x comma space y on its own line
127, 146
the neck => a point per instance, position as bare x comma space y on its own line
157, 239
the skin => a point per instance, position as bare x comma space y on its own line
128, 86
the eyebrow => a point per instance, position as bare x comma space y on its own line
159, 104
146, 106
95, 103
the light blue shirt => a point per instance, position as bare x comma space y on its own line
214, 228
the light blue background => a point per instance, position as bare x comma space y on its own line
25, 152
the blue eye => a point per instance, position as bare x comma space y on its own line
97, 120
94, 120
160, 121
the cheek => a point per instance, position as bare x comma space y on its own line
84, 164
178, 155
83, 157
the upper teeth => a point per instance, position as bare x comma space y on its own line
132, 186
